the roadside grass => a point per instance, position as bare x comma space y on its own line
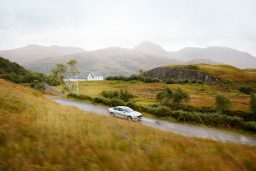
38, 134
202, 95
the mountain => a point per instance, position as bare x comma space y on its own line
217, 54
124, 61
202, 61
32, 53
150, 48
108, 61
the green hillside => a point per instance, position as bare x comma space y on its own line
222, 73
18, 74
37, 134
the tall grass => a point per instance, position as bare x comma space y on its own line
37, 134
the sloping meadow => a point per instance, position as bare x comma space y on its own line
37, 134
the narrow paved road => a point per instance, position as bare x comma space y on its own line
183, 129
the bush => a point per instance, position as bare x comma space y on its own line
121, 94
246, 116
253, 104
170, 81
37, 85
186, 81
246, 89
199, 82
180, 97
134, 77
251, 126
150, 80
209, 119
82, 97
193, 81
187, 116
221, 103
176, 98
161, 111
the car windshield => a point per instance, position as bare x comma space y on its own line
128, 110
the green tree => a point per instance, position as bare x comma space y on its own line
140, 71
165, 97
253, 103
221, 103
60, 72
180, 97
169, 97
74, 71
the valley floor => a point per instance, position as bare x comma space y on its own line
202, 95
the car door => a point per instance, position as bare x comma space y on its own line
117, 111
122, 113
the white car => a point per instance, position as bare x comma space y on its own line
125, 112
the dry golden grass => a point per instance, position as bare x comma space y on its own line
202, 95
37, 134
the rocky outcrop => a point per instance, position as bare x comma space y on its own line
181, 73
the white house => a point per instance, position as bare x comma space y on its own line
92, 77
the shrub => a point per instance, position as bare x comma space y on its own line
170, 81
253, 104
199, 82
125, 95
37, 85
251, 126
176, 98
82, 97
246, 89
187, 116
180, 97
150, 80
209, 119
161, 111
193, 81
221, 103
246, 116
134, 77
116, 102
132, 105
121, 94
165, 97
109, 94
186, 81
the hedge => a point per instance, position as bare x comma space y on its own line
209, 119
213, 119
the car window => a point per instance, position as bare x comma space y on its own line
128, 110
120, 109
116, 108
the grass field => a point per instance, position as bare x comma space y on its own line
202, 95
37, 134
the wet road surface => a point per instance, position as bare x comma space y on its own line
179, 128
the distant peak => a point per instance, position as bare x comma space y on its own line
32, 45
148, 46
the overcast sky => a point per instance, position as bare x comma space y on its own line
93, 24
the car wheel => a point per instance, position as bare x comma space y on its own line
129, 118
112, 114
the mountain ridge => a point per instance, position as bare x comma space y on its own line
125, 61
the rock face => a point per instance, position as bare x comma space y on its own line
181, 73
